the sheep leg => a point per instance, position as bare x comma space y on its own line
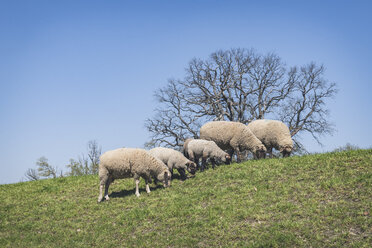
194, 158
204, 161
107, 185
100, 192
205, 157
213, 162
147, 186
238, 158
182, 173
231, 153
137, 186
196, 161
104, 178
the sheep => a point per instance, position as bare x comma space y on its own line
233, 137
174, 160
130, 162
273, 134
205, 149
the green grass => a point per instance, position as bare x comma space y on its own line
311, 201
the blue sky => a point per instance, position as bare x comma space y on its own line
74, 71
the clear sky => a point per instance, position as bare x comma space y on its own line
74, 71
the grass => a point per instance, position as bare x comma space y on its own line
311, 201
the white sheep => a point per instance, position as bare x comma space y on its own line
273, 134
233, 137
199, 148
174, 160
130, 162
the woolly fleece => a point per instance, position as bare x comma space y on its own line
173, 159
273, 134
129, 162
198, 148
232, 136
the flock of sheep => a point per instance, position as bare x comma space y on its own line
219, 140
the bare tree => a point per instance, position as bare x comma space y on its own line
241, 85
305, 110
176, 121
32, 175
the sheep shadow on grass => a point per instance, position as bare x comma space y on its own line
177, 176
125, 193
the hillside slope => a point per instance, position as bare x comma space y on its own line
317, 200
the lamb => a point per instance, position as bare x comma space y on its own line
233, 137
273, 134
130, 162
205, 149
174, 160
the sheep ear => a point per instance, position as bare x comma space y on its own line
166, 178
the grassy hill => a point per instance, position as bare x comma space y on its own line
317, 200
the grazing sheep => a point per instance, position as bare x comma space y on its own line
199, 148
273, 134
233, 137
174, 160
130, 162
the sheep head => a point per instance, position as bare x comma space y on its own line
226, 158
286, 150
165, 178
191, 167
259, 151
